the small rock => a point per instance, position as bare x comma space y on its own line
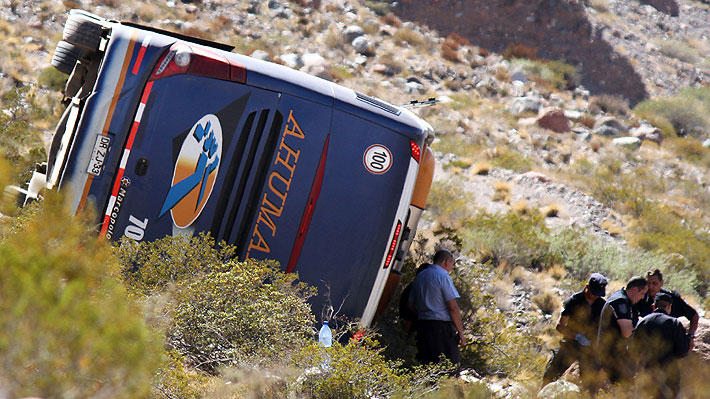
261, 55
612, 122
606, 131
647, 132
522, 105
351, 32
706, 143
292, 60
560, 389
554, 119
627, 142
362, 45
573, 115
519, 76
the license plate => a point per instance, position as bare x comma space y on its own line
98, 155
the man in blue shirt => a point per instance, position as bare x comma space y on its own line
433, 298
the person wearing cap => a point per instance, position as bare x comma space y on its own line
659, 341
680, 306
616, 324
433, 298
578, 325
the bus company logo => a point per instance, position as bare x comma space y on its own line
195, 172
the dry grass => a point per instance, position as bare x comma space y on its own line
481, 168
501, 191
557, 272
547, 301
613, 229
551, 211
521, 207
409, 36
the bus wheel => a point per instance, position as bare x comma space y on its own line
65, 56
83, 31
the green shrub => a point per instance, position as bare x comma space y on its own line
448, 201
686, 112
691, 149
174, 380
511, 239
557, 73
380, 8
678, 50
68, 328
359, 370
147, 267
504, 158
52, 79
496, 346
250, 314
20, 143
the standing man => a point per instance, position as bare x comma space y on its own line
433, 298
660, 341
616, 324
680, 307
578, 325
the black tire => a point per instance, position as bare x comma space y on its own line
83, 31
65, 56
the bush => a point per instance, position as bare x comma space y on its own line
250, 314
448, 201
513, 239
68, 328
358, 370
20, 144
678, 50
556, 73
147, 267
686, 112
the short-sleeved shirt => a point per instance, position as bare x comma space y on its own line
680, 307
431, 289
583, 317
617, 307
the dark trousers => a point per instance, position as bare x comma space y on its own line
569, 352
436, 337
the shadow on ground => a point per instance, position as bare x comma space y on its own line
558, 29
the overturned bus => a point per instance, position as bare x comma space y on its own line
166, 134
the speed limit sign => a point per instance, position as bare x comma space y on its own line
377, 159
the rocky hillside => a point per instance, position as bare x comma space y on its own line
630, 48
505, 116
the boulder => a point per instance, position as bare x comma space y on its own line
560, 389
363, 46
605, 130
611, 122
627, 142
351, 32
648, 132
522, 105
519, 76
553, 119
260, 55
292, 60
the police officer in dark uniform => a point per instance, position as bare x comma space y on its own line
680, 307
616, 324
660, 340
578, 326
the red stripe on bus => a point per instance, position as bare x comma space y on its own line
308, 212
129, 144
139, 59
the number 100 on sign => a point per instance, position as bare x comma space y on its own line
377, 159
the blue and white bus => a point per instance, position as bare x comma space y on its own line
166, 134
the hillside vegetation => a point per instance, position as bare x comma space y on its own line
533, 188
